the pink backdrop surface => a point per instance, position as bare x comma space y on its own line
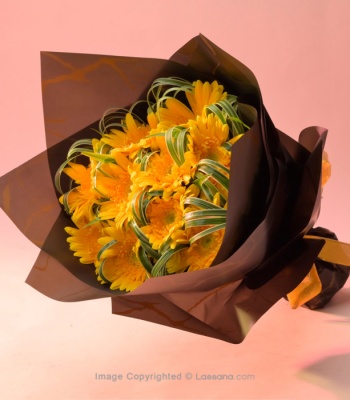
299, 52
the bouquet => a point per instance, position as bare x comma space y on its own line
178, 197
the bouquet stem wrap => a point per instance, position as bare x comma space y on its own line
274, 196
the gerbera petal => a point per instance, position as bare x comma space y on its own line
205, 94
84, 241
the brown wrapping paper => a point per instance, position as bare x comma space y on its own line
274, 196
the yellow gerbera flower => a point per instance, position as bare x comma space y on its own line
158, 167
129, 139
84, 242
200, 255
113, 182
208, 134
163, 174
119, 263
165, 218
81, 199
205, 94
174, 113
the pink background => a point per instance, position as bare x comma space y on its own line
299, 52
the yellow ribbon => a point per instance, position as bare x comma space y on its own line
334, 252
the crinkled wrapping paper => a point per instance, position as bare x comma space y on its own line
274, 196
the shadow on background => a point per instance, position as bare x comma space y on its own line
339, 305
330, 373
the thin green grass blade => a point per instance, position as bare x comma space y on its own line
205, 222
170, 144
100, 272
195, 201
205, 213
214, 164
100, 157
145, 159
159, 268
216, 175
206, 232
144, 241
142, 255
104, 248
216, 110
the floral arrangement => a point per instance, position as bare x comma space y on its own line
152, 199
187, 208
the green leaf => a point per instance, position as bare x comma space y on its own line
195, 201
216, 110
94, 221
155, 193
99, 157
142, 255
144, 241
65, 202
104, 248
227, 146
214, 164
113, 118
216, 175
205, 222
145, 159
171, 146
206, 232
205, 213
59, 174
166, 88
181, 144
159, 268
100, 272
